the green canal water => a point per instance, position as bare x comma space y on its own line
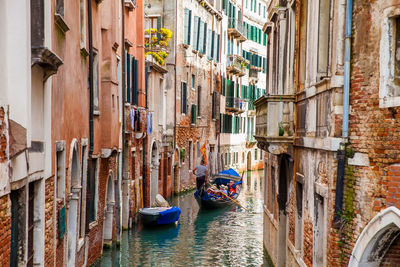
227, 237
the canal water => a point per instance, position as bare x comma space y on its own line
227, 237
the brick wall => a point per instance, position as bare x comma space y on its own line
96, 232
308, 241
49, 221
3, 136
392, 257
5, 230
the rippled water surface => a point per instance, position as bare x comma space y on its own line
230, 237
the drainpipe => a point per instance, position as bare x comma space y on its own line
91, 135
123, 88
345, 127
175, 46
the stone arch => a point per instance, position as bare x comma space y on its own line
154, 166
74, 201
109, 210
376, 238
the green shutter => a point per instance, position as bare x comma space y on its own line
201, 36
196, 33
186, 27
205, 39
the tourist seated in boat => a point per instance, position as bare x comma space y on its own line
231, 189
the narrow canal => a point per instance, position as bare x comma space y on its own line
230, 237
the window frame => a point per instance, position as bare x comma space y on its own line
389, 85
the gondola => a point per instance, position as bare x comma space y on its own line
209, 201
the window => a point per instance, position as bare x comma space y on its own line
193, 81
82, 17
259, 9
60, 8
389, 85
60, 170
264, 13
261, 154
187, 26
183, 98
95, 81
323, 36
272, 192
214, 105
91, 191
198, 101
299, 216
135, 81
255, 154
193, 114
191, 155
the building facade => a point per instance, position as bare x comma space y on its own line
328, 125
299, 125
243, 45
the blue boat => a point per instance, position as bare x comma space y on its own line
159, 215
209, 201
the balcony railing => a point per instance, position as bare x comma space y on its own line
236, 29
274, 121
234, 104
236, 65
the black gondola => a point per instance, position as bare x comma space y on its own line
208, 201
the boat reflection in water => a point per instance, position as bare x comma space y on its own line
223, 237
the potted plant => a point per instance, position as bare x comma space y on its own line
281, 130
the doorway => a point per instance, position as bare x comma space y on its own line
73, 205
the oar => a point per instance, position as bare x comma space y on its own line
234, 201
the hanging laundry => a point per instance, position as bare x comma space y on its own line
148, 123
151, 122
132, 118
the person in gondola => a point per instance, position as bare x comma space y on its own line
231, 189
201, 172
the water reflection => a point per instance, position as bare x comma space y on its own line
230, 237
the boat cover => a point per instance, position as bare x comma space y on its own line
152, 211
226, 175
169, 216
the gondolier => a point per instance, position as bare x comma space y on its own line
201, 173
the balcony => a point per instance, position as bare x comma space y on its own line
253, 76
274, 123
236, 65
234, 105
236, 29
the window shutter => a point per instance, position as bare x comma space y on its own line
205, 38
196, 33
209, 45
218, 37
186, 25
184, 96
201, 37
128, 78
135, 76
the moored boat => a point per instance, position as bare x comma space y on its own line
159, 215
212, 201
